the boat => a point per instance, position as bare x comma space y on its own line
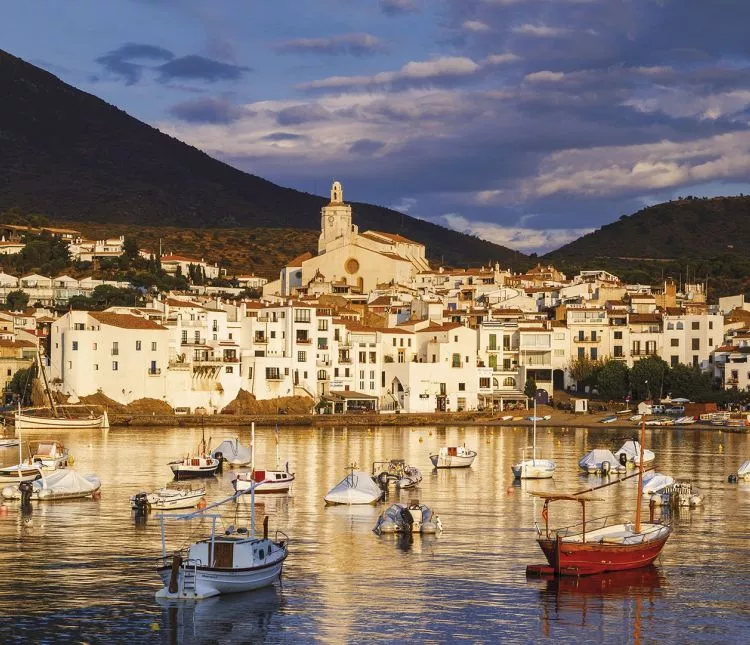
632, 452
684, 421
743, 472
410, 478
533, 468
610, 419
453, 457
596, 546
9, 443
170, 497
664, 490
231, 561
58, 417
60, 485
232, 452
202, 465
600, 461
408, 518
396, 471
358, 487
46, 456
266, 481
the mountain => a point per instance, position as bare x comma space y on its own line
690, 228
69, 155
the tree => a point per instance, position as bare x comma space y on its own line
689, 382
130, 247
17, 300
20, 384
584, 371
648, 378
612, 380
530, 388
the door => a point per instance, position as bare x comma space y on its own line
223, 555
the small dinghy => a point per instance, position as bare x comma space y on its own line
408, 518
654, 484
453, 457
168, 498
664, 490
684, 421
610, 419
63, 484
356, 488
743, 472
533, 468
396, 471
46, 456
600, 461
232, 452
632, 452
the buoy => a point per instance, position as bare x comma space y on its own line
154, 627
721, 448
430, 433
510, 490
202, 502
421, 440
71, 460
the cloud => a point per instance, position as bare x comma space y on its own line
476, 26
518, 238
207, 110
195, 67
540, 31
123, 61
398, 7
421, 71
501, 59
359, 44
282, 136
302, 113
366, 147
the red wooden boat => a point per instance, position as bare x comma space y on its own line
598, 546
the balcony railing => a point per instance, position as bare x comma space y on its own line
231, 359
260, 340
586, 339
154, 372
274, 376
304, 341
643, 352
194, 341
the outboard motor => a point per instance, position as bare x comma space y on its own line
606, 467
623, 459
220, 457
382, 480
732, 479
141, 503
25, 488
408, 519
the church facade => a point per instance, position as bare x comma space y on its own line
346, 256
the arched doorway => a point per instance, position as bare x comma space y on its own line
558, 379
397, 391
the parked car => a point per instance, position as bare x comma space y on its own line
677, 410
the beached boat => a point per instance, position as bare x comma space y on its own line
60, 485
231, 561
598, 546
358, 487
453, 457
610, 419
266, 481
408, 518
600, 461
168, 498
684, 421
232, 452
632, 454
46, 456
533, 468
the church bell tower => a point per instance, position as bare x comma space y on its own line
335, 219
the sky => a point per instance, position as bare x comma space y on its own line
525, 122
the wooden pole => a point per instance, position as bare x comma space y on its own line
638, 502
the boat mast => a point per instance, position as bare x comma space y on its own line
20, 443
534, 440
278, 459
640, 477
252, 447
46, 386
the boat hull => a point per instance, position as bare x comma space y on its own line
266, 486
452, 461
181, 471
586, 558
28, 422
213, 581
542, 469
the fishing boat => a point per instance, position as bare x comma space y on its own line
201, 465
168, 498
60, 485
600, 461
232, 452
453, 457
266, 481
408, 518
597, 546
58, 417
358, 487
533, 468
46, 456
231, 561
9, 443
630, 451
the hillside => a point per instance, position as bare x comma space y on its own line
70, 156
686, 228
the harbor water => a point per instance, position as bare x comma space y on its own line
84, 571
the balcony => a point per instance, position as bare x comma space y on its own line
586, 339
619, 357
304, 341
231, 359
260, 340
154, 372
643, 352
207, 362
345, 361
193, 341
274, 376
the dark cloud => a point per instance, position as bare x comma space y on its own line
352, 44
398, 7
282, 136
126, 61
303, 113
365, 147
208, 110
195, 67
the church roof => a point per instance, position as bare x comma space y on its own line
393, 237
296, 262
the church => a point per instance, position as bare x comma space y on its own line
347, 257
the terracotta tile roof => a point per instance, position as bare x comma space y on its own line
179, 258
174, 302
393, 237
125, 321
16, 344
645, 318
296, 262
433, 327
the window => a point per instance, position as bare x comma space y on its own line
229, 369
710, 326
484, 383
153, 346
401, 342
409, 342
95, 346
710, 342
455, 339
618, 351
581, 352
323, 376
373, 357
301, 357
322, 325
618, 336
77, 326
593, 334
680, 325
394, 342
115, 349
184, 335
372, 373
493, 342
10, 372
230, 336
559, 335
197, 337
594, 353
361, 385
215, 337
696, 344
273, 334
75, 345
115, 366
456, 360
361, 374
302, 336
559, 352
138, 346
674, 342
695, 361
273, 374
322, 343
462, 387
336, 373
96, 367
674, 362
506, 364
695, 325
363, 357
346, 372
302, 315
509, 381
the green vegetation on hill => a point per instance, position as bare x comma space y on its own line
70, 156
